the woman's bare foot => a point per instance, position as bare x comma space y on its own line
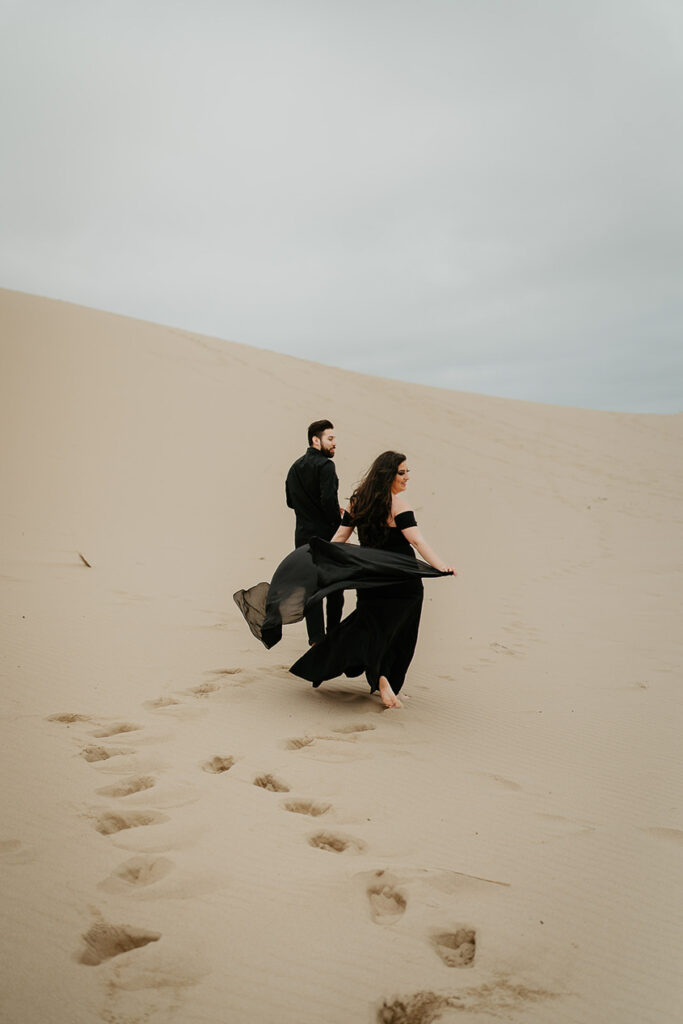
389, 698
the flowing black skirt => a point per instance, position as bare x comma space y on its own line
311, 572
378, 638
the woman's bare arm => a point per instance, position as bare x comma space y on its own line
342, 535
413, 535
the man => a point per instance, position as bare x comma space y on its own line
312, 491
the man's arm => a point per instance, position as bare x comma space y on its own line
329, 497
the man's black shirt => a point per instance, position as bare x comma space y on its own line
312, 491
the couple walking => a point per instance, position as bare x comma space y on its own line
379, 637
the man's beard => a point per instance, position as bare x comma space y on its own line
327, 453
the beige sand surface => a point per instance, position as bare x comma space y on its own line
191, 835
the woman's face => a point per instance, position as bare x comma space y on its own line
401, 479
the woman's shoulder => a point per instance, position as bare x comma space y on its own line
399, 504
402, 514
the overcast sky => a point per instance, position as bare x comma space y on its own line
485, 195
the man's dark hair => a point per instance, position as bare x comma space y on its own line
317, 429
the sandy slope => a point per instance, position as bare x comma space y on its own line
240, 848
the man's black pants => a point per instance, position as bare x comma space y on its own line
315, 622
314, 618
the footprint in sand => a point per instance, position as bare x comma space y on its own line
498, 999
135, 785
204, 689
93, 753
226, 671
330, 748
457, 948
147, 877
387, 903
217, 765
335, 844
425, 885
9, 846
501, 648
309, 807
137, 873
159, 703
104, 941
68, 718
13, 851
354, 727
110, 822
234, 678
115, 730
299, 743
672, 835
271, 783
171, 707
420, 1008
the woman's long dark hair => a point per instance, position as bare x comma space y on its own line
370, 504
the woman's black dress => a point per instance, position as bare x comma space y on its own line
379, 637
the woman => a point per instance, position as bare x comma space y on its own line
379, 637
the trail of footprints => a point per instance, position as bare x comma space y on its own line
104, 940
386, 900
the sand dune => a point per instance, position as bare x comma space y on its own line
191, 834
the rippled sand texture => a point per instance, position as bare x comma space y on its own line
191, 835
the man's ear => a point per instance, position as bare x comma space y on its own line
316, 442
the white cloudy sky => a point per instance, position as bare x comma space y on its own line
480, 194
